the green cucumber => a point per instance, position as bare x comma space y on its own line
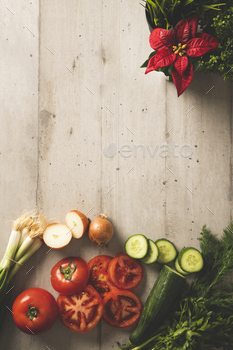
152, 254
179, 269
159, 304
167, 251
190, 260
137, 246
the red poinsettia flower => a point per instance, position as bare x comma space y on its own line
174, 47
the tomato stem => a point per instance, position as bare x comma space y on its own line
68, 271
32, 311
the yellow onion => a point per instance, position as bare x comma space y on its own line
100, 230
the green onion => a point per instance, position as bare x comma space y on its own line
24, 235
24, 247
36, 244
10, 250
23, 242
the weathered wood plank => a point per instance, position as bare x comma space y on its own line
136, 128
70, 128
19, 130
198, 192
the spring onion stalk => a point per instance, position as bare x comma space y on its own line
9, 253
10, 250
24, 247
24, 235
24, 241
37, 243
35, 229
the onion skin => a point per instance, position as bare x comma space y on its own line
100, 230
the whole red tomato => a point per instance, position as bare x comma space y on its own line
34, 311
69, 275
81, 311
99, 278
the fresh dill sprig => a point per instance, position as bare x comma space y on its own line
218, 260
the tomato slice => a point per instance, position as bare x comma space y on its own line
99, 279
81, 311
122, 308
125, 272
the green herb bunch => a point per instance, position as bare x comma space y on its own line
204, 318
220, 25
167, 13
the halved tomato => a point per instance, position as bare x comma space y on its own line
122, 308
125, 272
81, 311
98, 278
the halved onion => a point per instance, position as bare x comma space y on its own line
57, 236
77, 222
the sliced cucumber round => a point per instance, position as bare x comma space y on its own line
137, 246
190, 260
167, 251
179, 269
152, 254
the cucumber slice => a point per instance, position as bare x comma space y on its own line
179, 269
167, 251
190, 260
152, 254
137, 246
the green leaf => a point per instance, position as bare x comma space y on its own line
151, 12
180, 331
200, 321
187, 2
211, 7
195, 62
151, 3
170, 69
144, 65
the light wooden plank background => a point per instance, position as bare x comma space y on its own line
73, 101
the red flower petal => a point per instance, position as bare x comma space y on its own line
193, 23
151, 64
182, 81
210, 38
167, 38
163, 58
197, 47
161, 38
182, 33
181, 64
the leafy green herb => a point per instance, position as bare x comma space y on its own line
166, 13
204, 319
219, 25
218, 258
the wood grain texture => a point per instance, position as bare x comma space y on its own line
19, 135
83, 128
